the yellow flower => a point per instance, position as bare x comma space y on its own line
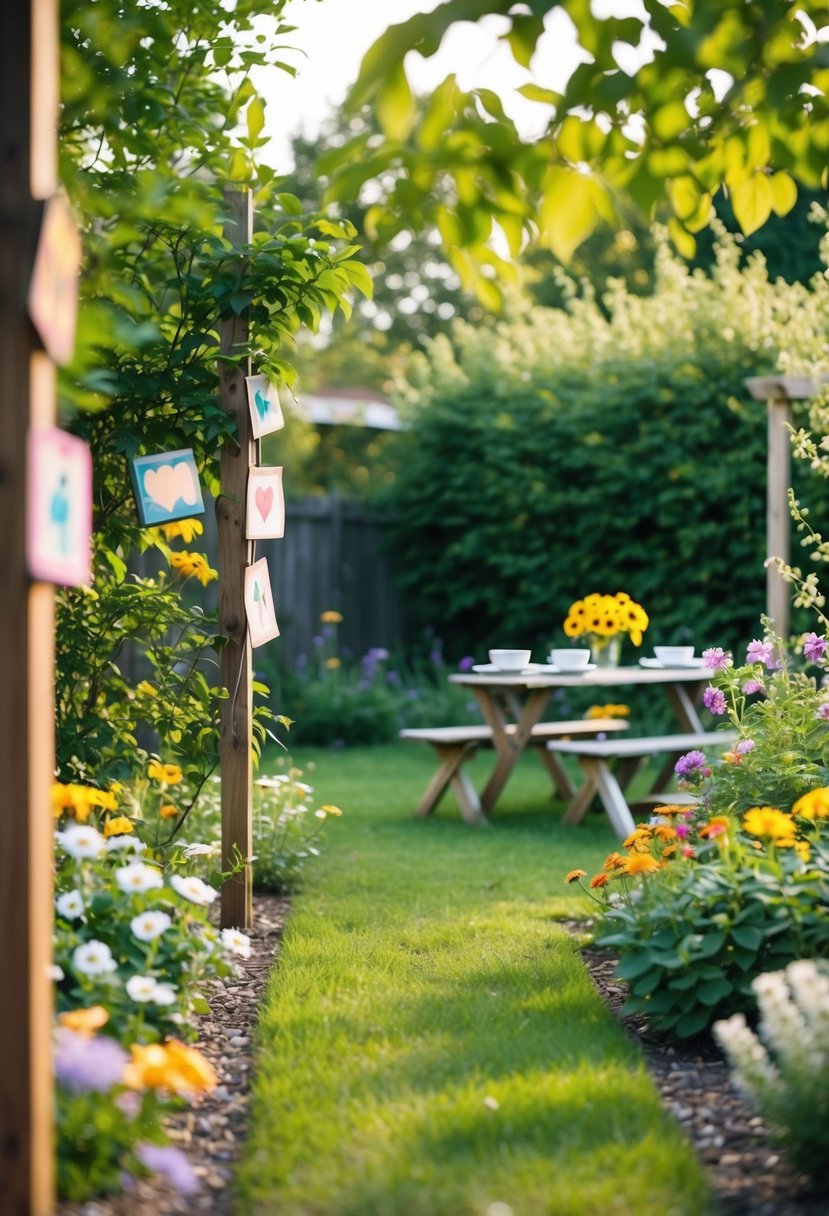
332, 664
193, 565
803, 849
614, 861
768, 821
639, 839
171, 1065
168, 811
573, 627
673, 808
642, 863
575, 875
607, 615
607, 711
167, 774
84, 1021
331, 810
79, 800
185, 528
146, 687
813, 805
330, 617
118, 827
664, 832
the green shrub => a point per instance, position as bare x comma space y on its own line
555, 453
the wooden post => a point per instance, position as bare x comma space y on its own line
235, 746
27, 398
779, 392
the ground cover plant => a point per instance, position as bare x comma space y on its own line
431, 1042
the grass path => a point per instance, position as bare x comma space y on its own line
431, 1044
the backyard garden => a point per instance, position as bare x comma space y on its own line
318, 1001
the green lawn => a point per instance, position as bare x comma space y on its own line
431, 1044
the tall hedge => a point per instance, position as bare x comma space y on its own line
600, 449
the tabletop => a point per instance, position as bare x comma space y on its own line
598, 677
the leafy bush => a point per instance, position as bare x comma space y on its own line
559, 450
785, 1071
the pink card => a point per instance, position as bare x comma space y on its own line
59, 504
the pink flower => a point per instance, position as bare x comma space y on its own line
823, 712
761, 652
745, 745
714, 699
750, 686
716, 658
683, 831
814, 647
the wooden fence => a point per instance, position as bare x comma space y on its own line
331, 558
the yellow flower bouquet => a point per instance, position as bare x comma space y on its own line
601, 618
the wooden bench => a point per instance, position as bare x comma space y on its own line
456, 744
596, 758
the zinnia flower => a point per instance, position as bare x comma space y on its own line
150, 925
771, 822
692, 762
641, 863
752, 686
575, 875
813, 805
760, 652
93, 958
714, 700
598, 880
716, 658
715, 827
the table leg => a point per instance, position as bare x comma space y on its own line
508, 747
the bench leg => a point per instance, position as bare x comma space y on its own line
583, 796
610, 792
451, 757
558, 774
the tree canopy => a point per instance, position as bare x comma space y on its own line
732, 97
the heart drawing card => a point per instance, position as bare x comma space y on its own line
265, 514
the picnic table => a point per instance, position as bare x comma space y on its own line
512, 706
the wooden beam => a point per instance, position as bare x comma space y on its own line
27, 398
235, 746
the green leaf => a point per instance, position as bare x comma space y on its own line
632, 966
569, 211
783, 193
713, 991
747, 936
752, 202
681, 238
255, 119
395, 105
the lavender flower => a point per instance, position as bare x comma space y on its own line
761, 652
714, 699
750, 686
823, 712
690, 764
172, 1164
83, 1063
466, 663
393, 679
716, 658
745, 745
814, 647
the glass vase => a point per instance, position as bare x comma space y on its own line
605, 652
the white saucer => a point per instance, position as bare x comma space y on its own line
559, 671
697, 661
490, 669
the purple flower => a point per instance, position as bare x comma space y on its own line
716, 658
751, 686
377, 654
714, 699
745, 745
436, 657
690, 763
301, 662
83, 1063
327, 631
318, 641
466, 663
682, 830
761, 652
392, 678
823, 712
814, 647
172, 1164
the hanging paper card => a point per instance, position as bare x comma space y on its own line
59, 508
259, 605
166, 486
265, 410
265, 518
53, 290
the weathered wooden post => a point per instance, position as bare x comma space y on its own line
779, 392
29, 84
235, 746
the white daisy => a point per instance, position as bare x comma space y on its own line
70, 904
164, 994
193, 888
128, 844
236, 942
138, 877
141, 988
93, 958
81, 841
150, 925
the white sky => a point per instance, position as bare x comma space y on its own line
334, 34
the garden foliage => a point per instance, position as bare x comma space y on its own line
558, 450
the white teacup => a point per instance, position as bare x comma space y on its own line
674, 656
570, 659
509, 660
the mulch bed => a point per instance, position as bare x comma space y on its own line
747, 1174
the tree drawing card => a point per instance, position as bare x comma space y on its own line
166, 487
59, 514
265, 517
259, 605
265, 410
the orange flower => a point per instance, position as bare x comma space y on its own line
639, 839
79, 800
575, 875
168, 774
614, 861
718, 826
331, 617
168, 811
664, 831
672, 808
333, 663
171, 1065
84, 1021
642, 863
669, 851
598, 880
